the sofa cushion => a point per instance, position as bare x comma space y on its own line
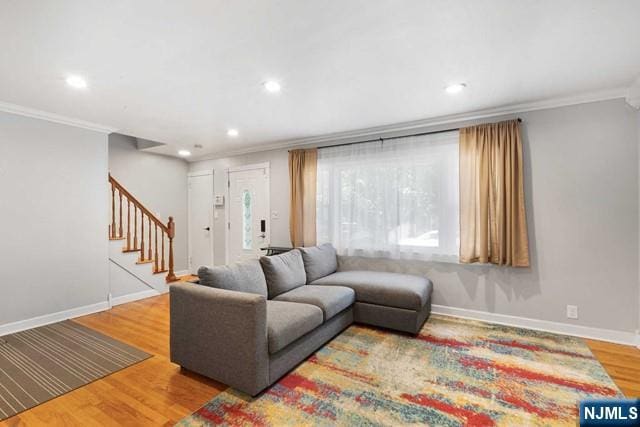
389, 289
319, 261
288, 321
283, 272
331, 299
242, 276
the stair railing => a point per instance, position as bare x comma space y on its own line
137, 240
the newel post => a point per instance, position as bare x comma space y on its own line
171, 231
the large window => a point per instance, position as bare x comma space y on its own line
397, 198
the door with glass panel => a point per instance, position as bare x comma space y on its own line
248, 225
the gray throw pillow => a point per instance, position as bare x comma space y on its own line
283, 272
319, 261
242, 277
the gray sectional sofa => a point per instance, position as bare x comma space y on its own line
248, 324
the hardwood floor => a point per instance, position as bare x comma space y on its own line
622, 363
156, 392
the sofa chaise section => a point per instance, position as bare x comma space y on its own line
390, 300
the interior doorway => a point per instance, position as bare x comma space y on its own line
200, 224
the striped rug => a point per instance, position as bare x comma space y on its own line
43, 363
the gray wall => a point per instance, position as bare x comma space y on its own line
581, 165
122, 283
159, 182
53, 214
279, 183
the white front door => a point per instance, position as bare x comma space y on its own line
200, 220
248, 220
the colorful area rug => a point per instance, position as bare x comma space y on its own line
455, 372
43, 363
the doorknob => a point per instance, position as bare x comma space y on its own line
207, 228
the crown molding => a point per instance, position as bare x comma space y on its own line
348, 136
52, 117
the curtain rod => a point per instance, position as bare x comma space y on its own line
397, 137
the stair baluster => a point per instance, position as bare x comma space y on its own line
155, 257
149, 249
135, 227
120, 235
128, 224
141, 235
150, 254
162, 252
113, 211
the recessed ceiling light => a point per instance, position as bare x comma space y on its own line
232, 132
272, 86
184, 153
456, 88
77, 82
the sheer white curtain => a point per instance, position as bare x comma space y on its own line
396, 198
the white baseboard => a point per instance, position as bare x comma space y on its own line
182, 273
123, 299
47, 319
619, 337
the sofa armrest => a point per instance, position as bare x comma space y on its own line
221, 334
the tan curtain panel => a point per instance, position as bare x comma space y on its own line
493, 224
303, 166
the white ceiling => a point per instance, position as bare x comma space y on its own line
183, 72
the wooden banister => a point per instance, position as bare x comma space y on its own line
136, 242
135, 201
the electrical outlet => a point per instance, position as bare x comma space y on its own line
572, 311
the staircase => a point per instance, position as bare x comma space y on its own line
141, 244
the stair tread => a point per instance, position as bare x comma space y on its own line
130, 250
117, 238
160, 271
144, 261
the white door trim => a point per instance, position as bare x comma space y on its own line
200, 173
189, 225
264, 165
